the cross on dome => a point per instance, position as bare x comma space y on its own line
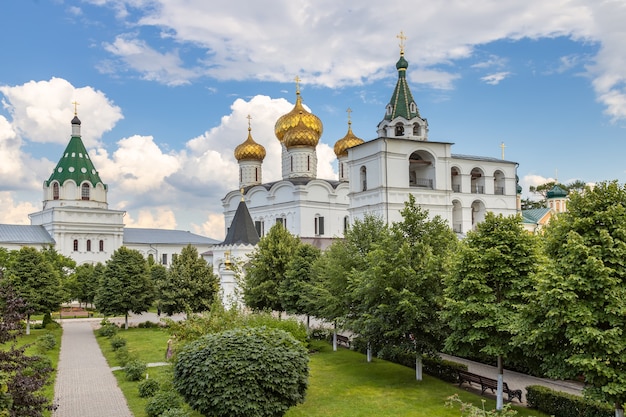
402, 38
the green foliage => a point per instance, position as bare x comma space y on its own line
117, 342
46, 342
108, 330
135, 370
267, 268
35, 279
148, 388
162, 402
434, 366
577, 320
175, 412
84, 282
470, 410
559, 404
125, 285
292, 289
188, 286
123, 356
252, 372
489, 284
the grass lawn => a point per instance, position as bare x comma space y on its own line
52, 354
341, 383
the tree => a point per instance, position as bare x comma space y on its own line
125, 285
246, 372
36, 281
84, 283
189, 285
268, 264
577, 320
399, 288
21, 376
292, 287
487, 287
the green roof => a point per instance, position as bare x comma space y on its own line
534, 215
402, 98
556, 192
75, 163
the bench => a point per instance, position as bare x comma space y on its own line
488, 383
343, 340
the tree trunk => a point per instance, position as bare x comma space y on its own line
126, 321
335, 338
619, 410
499, 400
308, 324
28, 324
418, 367
369, 352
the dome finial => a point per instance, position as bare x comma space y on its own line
349, 111
249, 119
75, 103
297, 80
402, 38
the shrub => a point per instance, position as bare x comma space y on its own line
559, 404
162, 402
123, 356
175, 412
437, 367
46, 342
148, 387
148, 325
47, 319
117, 342
108, 330
134, 370
242, 372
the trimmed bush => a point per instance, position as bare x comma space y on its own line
123, 356
46, 342
107, 330
175, 412
117, 342
135, 370
560, 404
148, 387
162, 402
247, 372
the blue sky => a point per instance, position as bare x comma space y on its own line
164, 88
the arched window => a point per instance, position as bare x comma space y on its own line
413, 107
416, 129
399, 130
340, 170
256, 173
363, 178
88, 245
101, 246
75, 245
346, 224
84, 191
55, 190
308, 162
292, 163
389, 109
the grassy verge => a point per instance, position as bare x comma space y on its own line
52, 354
341, 383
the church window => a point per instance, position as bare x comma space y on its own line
363, 178
346, 224
256, 173
413, 107
340, 170
389, 109
240, 174
416, 129
282, 221
308, 162
319, 225
55, 190
84, 191
260, 227
101, 246
164, 259
292, 164
75, 245
399, 130
88, 245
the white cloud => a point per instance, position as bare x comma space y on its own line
14, 212
41, 111
160, 218
494, 79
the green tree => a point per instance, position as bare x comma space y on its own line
189, 285
398, 291
298, 274
246, 372
36, 281
21, 376
84, 283
125, 285
577, 320
487, 288
267, 267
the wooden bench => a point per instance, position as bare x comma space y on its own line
488, 383
343, 340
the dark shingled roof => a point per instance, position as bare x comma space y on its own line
241, 230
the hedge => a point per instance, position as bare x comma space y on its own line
560, 404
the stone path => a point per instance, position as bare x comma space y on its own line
85, 385
515, 380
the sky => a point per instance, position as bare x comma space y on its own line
164, 88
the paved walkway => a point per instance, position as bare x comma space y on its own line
85, 385
515, 380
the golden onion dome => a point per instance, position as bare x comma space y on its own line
296, 116
250, 150
301, 135
347, 142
